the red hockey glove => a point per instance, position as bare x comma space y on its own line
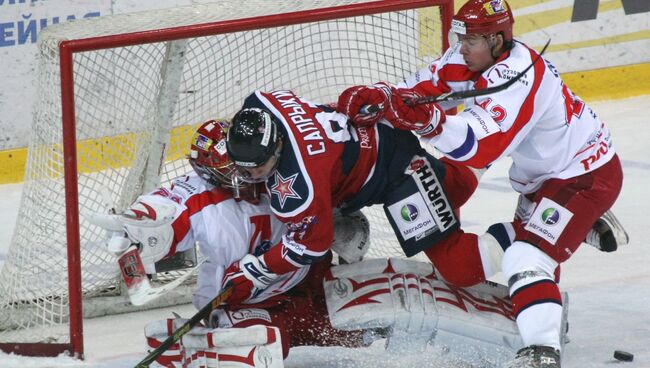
249, 277
353, 100
425, 120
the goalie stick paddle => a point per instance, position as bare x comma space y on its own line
461, 95
187, 326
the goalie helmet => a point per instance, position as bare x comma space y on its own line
484, 17
253, 139
209, 159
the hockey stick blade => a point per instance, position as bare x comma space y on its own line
145, 293
187, 326
460, 95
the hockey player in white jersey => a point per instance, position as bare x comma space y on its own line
564, 163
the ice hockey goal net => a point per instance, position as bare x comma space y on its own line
120, 95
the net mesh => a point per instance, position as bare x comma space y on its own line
136, 104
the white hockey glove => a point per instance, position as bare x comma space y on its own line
146, 223
351, 236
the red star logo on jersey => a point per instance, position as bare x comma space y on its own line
283, 188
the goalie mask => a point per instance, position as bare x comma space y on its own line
253, 140
209, 159
483, 17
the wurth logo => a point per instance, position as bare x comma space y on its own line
431, 188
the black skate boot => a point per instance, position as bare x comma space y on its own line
607, 233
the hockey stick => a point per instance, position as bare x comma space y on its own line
460, 95
137, 282
187, 326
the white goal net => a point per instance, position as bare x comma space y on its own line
130, 89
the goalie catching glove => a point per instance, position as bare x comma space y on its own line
425, 119
146, 223
249, 277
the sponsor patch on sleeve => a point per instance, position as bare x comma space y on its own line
481, 122
294, 246
548, 220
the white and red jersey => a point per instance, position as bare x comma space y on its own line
546, 130
225, 230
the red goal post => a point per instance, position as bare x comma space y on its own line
108, 85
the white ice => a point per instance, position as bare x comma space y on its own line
609, 292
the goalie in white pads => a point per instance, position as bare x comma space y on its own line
229, 228
419, 312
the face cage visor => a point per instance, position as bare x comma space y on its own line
224, 177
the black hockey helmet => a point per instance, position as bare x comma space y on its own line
253, 138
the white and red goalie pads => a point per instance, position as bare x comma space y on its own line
202, 347
473, 324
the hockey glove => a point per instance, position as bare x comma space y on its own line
353, 103
426, 120
249, 277
147, 223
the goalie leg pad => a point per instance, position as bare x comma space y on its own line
473, 324
254, 346
156, 333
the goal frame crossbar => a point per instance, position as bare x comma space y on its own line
67, 49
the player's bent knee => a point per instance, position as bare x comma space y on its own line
460, 181
522, 256
458, 259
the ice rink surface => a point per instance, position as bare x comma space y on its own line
609, 292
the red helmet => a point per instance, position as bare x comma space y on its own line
484, 17
209, 159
